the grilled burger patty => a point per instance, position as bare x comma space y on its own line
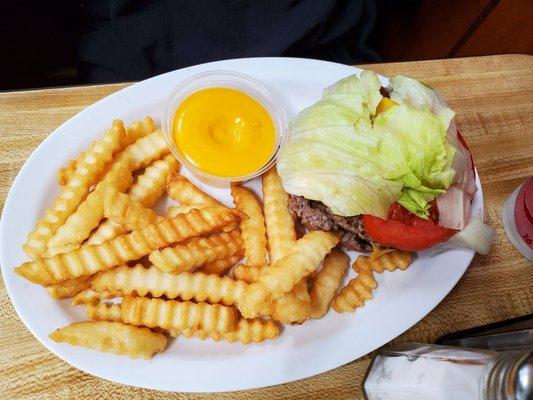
316, 215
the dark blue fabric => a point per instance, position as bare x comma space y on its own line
133, 39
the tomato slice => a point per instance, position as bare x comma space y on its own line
405, 231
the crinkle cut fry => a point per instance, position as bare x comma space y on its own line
80, 224
220, 267
106, 230
104, 312
280, 229
134, 132
122, 209
182, 190
307, 254
281, 234
152, 183
89, 296
247, 331
65, 173
147, 189
327, 281
70, 288
142, 281
90, 259
112, 337
146, 150
288, 308
139, 129
197, 251
391, 261
182, 209
301, 292
356, 292
253, 229
172, 314
249, 273
52, 251
138, 155
75, 191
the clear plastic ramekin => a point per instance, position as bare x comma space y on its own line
232, 80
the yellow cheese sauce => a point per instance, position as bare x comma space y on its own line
385, 104
224, 132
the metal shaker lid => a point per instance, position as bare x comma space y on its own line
511, 378
520, 378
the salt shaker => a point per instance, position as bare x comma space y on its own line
417, 371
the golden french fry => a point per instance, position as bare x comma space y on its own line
52, 251
292, 307
171, 314
197, 251
281, 277
70, 288
89, 296
88, 215
104, 312
74, 192
356, 292
123, 210
112, 337
65, 173
253, 229
219, 267
390, 261
182, 190
152, 183
140, 129
80, 224
106, 230
247, 331
137, 130
247, 273
378, 251
146, 150
280, 228
93, 258
327, 281
147, 189
307, 254
301, 291
142, 281
289, 309
173, 211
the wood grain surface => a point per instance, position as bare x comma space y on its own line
493, 99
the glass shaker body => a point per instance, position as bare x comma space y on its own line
418, 371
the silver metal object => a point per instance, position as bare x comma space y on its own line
511, 377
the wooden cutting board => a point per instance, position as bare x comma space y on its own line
493, 99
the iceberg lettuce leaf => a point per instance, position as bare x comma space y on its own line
343, 155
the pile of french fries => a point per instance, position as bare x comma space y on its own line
203, 270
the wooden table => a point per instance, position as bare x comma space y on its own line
493, 98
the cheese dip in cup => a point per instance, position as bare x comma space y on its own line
224, 126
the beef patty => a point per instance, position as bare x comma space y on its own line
316, 215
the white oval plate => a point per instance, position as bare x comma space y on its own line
190, 365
